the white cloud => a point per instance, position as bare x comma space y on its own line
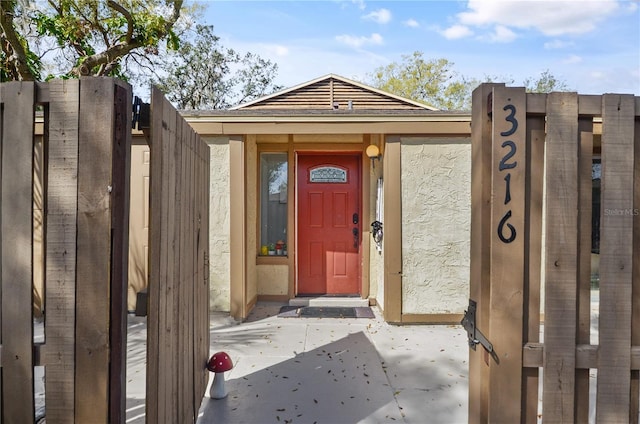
411, 23
353, 41
456, 31
572, 59
558, 44
381, 16
552, 18
502, 34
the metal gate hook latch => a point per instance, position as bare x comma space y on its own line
469, 323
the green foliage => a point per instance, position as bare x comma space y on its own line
83, 37
435, 83
202, 74
546, 83
432, 82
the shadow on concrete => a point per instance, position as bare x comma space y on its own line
344, 381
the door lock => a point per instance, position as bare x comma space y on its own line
355, 237
355, 219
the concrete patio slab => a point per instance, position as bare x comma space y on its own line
345, 370
325, 370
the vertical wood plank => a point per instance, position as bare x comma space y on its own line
585, 187
561, 257
170, 345
94, 249
635, 311
157, 264
121, 167
205, 255
480, 236
60, 267
179, 266
533, 239
507, 253
616, 260
17, 234
192, 257
194, 274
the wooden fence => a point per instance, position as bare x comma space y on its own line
84, 169
531, 233
178, 321
81, 177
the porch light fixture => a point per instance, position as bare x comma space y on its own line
373, 152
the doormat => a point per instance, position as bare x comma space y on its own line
325, 312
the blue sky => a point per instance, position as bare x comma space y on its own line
592, 45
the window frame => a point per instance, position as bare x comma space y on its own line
274, 148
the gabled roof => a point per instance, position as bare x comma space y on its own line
332, 92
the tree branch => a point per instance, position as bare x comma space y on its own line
124, 12
115, 52
18, 58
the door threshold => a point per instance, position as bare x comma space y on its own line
329, 301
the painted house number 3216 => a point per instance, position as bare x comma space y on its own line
508, 234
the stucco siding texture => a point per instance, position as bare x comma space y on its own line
273, 279
436, 216
219, 225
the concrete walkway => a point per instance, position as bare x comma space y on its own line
327, 370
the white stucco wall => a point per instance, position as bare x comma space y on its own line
436, 215
219, 225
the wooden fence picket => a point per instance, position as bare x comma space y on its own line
561, 143
616, 266
60, 238
17, 267
86, 142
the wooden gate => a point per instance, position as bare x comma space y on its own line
178, 318
531, 233
68, 191
84, 233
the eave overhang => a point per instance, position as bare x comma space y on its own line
330, 122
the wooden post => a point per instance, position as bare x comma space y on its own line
94, 249
616, 260
17, 262
393, 231
507, 253
60, 239
561, 257
480, 238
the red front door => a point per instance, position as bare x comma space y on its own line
329, 224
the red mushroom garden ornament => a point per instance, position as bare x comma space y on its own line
218, 364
